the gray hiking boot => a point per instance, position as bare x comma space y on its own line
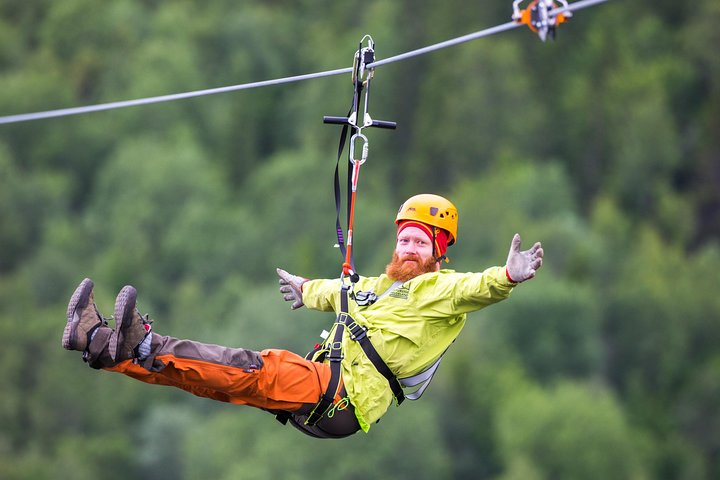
131, 328
83, 318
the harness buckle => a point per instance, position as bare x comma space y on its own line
357, 331
364, 299
342, 318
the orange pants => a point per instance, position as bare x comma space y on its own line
271, 379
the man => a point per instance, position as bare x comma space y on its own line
389, 328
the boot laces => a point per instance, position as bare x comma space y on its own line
146, 321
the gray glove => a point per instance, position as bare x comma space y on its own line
522, 266
291, 288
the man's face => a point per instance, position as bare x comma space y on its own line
413, 255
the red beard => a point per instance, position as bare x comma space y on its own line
400, 270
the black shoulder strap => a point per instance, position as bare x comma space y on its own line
359, 334
338, 194
335, 357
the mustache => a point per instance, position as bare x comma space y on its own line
397, 269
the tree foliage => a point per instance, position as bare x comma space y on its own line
602, 144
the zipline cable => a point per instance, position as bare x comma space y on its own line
448, 43
165, 98
25, 117
483, 33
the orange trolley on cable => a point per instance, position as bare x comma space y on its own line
542, 16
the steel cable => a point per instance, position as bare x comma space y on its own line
25, 117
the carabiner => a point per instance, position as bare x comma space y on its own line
348, 273
365, 149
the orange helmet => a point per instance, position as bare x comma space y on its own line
431, 210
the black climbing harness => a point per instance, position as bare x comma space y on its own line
333, 352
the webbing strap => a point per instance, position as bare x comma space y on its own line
338, 194
359, 334
357, 91
335, 357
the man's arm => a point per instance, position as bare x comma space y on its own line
473, 291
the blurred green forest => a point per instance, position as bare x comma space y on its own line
603, 144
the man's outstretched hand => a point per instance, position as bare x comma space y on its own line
291, 288
522, 266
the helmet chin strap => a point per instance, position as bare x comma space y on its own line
436, 249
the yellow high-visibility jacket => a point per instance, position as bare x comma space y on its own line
410, 327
